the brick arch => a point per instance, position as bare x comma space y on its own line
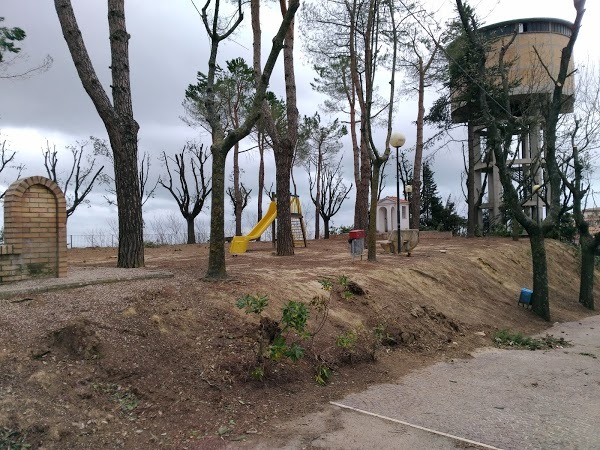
35, 229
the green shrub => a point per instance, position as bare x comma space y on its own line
284, 343
507, 338
13, 439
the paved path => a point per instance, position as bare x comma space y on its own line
507, 399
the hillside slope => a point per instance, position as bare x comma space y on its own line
168, 362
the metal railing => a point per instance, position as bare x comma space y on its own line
112, 240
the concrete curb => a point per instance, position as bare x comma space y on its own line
7, 292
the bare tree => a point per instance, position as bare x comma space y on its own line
317, 144
333, 194
190, 196
147, 188
6, 158
166, 229
118, 119
583, 132
239, 200
80, 177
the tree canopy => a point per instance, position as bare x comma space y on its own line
8, 37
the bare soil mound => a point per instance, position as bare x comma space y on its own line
172, 362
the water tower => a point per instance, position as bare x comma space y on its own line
531, 92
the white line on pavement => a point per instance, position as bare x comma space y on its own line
418, 427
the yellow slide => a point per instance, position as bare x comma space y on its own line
239, 244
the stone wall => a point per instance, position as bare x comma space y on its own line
35, 231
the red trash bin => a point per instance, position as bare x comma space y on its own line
356, 239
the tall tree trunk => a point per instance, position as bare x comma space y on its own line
191, 232
360, 156
471, 206
588, 271
127, 183
216, 256
131, 240
361, 209
118, 119
284, 154
540, 299
588, 244
415, 201
326, 228
261, 176
284, 157
372, 235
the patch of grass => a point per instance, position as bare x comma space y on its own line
12, 439
258, 373
127, 400
37, 269
506, 338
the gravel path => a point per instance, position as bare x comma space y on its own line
509, 399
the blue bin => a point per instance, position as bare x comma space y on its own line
525, 297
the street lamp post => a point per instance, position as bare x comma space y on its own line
397, 140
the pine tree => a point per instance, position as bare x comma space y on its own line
431, 203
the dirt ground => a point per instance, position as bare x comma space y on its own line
167, 363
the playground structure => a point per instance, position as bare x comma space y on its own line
239, 244
531, 92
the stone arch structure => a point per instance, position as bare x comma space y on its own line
382, 220
35, 231
387, 217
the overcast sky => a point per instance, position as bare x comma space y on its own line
168, 46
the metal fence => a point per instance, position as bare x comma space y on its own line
112, 240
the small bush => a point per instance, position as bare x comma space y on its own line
323, 374
346, 340
13, 439
282, 341
507, 338
255, 304
126, 399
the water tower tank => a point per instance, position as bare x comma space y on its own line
527, 75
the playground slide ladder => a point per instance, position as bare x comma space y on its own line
298, 228
298, 231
